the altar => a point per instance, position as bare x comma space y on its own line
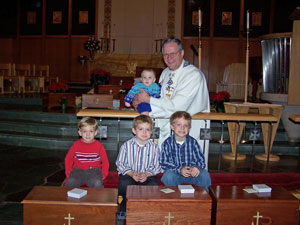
268, 129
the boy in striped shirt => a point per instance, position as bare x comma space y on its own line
86, 161
138, 162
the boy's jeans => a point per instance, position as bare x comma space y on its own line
173, 178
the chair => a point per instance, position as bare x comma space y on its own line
233, 80
22, 72
5, 75
42, 74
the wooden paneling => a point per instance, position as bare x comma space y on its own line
294, 90
57, 56
32, 50
217, 53
78, 72
7, 50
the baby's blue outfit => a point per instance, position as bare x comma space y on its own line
153, 91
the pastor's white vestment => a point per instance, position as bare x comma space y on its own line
184, 89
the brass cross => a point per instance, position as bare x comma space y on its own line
69, 218
257, 218
169, 217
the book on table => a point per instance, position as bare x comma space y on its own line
261, 188
186, 189
77, 193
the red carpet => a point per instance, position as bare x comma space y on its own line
289, 181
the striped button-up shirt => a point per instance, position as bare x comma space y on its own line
175, 156
138, 159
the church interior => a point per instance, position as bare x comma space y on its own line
61, 57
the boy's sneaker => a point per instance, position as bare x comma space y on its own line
121, 216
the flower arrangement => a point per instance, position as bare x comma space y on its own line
92, 45
218, 100
100, 76
58, 87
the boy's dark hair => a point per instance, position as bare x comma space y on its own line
181, 114
88, 121
142, 119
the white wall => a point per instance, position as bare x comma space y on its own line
136, 24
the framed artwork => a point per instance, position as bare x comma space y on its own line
256, 19
57, 17
195, 18
191, 22
31, 17
259, 17
83, 17
226, 18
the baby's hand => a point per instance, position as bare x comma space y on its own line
127, 104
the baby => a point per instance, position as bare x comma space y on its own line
149, 85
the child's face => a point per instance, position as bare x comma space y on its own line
148, 78
181, 128
142, 132
87, 133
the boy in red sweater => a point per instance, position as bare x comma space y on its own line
86, 161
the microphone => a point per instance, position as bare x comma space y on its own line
194, 50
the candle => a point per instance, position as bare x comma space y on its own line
199, 17
247, 19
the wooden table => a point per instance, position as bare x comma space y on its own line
51, 205
268, 131
295, 118
232, 205
148, 205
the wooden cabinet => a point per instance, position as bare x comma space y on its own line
51, 205
232, 205
149, 205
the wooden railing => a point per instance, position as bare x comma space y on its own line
228, 117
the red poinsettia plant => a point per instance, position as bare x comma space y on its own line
218, 100
100, 76
58, 87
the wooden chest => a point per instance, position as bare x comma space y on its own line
232, 205
97, 101
51, 99
51, 205
149, 205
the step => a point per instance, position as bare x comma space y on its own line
59, 131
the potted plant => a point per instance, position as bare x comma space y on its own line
218, 100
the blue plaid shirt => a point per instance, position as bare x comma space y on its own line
175, 156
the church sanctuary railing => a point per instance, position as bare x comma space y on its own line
223, 117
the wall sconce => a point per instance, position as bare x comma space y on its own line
82, 59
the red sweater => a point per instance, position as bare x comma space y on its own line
85, 156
